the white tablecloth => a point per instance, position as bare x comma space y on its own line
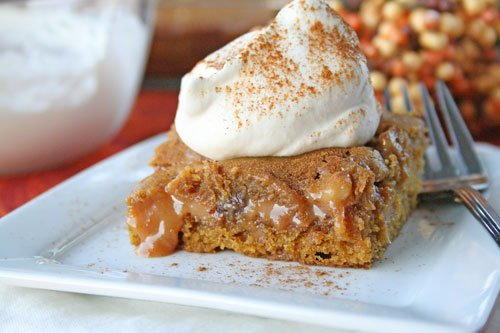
30, 310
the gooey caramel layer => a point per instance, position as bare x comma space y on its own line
157, 220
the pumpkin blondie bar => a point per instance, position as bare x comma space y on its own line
332, 207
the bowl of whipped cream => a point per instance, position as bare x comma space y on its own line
69, 73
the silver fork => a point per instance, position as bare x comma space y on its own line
460, 171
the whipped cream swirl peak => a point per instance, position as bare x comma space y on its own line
298, 84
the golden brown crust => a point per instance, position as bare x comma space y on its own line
335, 206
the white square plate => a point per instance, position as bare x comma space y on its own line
441, 274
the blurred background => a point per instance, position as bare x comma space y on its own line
406, 41
71, 71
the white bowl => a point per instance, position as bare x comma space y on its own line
69, 73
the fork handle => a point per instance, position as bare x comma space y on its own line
481, 209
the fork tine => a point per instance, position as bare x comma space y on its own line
460, 135
406, 97
387, 100
437, 134
410, 108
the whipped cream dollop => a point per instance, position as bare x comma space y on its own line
296, 85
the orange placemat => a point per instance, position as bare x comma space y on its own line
153, 113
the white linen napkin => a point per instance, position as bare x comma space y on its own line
31, 310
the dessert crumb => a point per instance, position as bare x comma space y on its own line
202, 269
321, 273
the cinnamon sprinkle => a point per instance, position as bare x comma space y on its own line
270, 79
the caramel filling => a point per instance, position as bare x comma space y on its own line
156, 223
329, 195
157, 220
